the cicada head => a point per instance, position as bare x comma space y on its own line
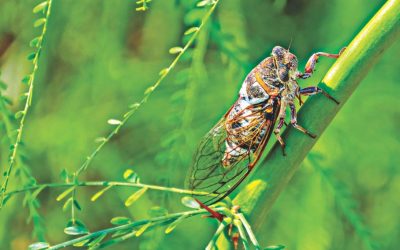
286, 63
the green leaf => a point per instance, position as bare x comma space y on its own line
64, 175
65, 193
26, 79
143, 229
131, 176
38, 191
39, 22
204, 3
38, 246
99, 193
176, 222
75, 230
82, 243
149, 90
190, 202
120, 220
134, 105
164, 71
97, 240
77, 205
135, 196
31, 56
277, 247
191, 30
67, 204
34, 42
175, 50
114, 122
100, 139
39, 7
19, 114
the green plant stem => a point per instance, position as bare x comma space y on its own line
105, 184
163, 74
162, 219
28, 103
317, 113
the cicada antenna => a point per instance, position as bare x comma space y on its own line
290, 44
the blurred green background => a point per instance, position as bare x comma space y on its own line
100, 56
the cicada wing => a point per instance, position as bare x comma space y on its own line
212, 171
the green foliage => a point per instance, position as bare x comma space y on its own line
93, 70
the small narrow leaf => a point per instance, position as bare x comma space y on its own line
39, 22
131, 176
34, 42
97, 240
142, 229
38, 191
100, 193
75, 230
191, 30
134, 106
77, 205
82, 243
100, 139
176, 222
67, 204
277, 247
26, 79
64, 175
149, 90
39, 7
175, 50
203, 3
120, 220
65, 193
164, 71
31, 56
19, 114
114, 122
135, 196
190, 202
38, 246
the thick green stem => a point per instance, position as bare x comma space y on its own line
317, 113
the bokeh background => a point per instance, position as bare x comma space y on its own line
100, 56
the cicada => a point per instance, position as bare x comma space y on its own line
231, 149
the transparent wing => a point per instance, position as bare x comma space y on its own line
229, 151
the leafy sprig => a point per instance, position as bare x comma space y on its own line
193, 32
22, 172
36, 43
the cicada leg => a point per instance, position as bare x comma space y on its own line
281, 122
316, 90
310, 66
293, 121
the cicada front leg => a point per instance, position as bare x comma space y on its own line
311, 63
